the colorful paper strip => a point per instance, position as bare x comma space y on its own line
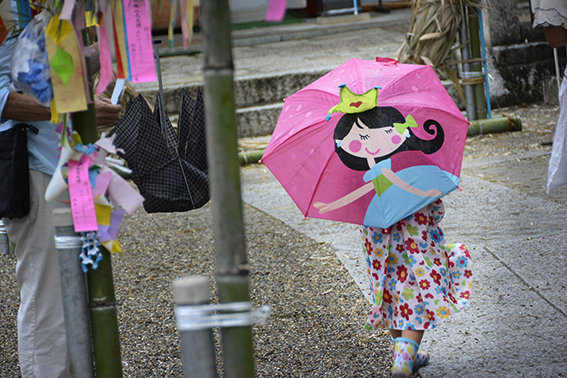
82, 205
139, 40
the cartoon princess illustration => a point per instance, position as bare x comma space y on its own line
367, 137
416, 279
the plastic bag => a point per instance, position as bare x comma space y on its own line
30, 64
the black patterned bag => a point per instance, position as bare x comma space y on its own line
14, 170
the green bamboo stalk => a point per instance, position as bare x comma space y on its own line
479, 92
250, 157
230, 249
104, 320
102, 303
495, 125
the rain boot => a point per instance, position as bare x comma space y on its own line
405, 357
421, 358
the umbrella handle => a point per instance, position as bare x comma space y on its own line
158, 66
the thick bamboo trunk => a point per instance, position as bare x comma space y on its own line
220, 114
102, 303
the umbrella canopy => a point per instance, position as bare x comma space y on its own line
169, 169
371, 142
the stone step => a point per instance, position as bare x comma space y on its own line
260, 120
249, 91
256, 121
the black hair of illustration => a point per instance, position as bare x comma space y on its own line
385, 116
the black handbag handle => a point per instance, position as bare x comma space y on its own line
34, 129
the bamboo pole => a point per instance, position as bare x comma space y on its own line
102, 303
497, 124
104, 320
222, 150
250, 157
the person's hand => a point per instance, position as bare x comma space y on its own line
106, 112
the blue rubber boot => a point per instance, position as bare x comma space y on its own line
405, 358
421, 358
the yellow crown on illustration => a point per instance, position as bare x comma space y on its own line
355, 103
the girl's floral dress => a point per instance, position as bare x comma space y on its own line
416, 279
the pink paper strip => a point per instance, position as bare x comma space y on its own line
185, 31
122, 192
276, 10
82, 205
139, 37
106, 72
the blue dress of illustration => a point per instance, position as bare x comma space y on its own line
392, 203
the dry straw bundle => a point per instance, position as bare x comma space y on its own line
433, 35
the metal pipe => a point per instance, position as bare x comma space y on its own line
197, 345
4, 240
74, 293
474, 35
466, 68
484, 65
557, 72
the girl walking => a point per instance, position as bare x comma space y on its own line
416, 279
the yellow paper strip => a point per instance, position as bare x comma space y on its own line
102, 214
55, 118
112, 246
69, 97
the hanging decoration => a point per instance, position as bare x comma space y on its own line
67, 72
56, 73
99, 197
186, 7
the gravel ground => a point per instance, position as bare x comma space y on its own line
317, 310
315, 329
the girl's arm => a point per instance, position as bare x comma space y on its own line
390, 175
349, 198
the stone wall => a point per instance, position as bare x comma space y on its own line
519, 56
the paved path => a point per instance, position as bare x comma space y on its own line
515, 322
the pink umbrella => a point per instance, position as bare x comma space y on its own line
371, 142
